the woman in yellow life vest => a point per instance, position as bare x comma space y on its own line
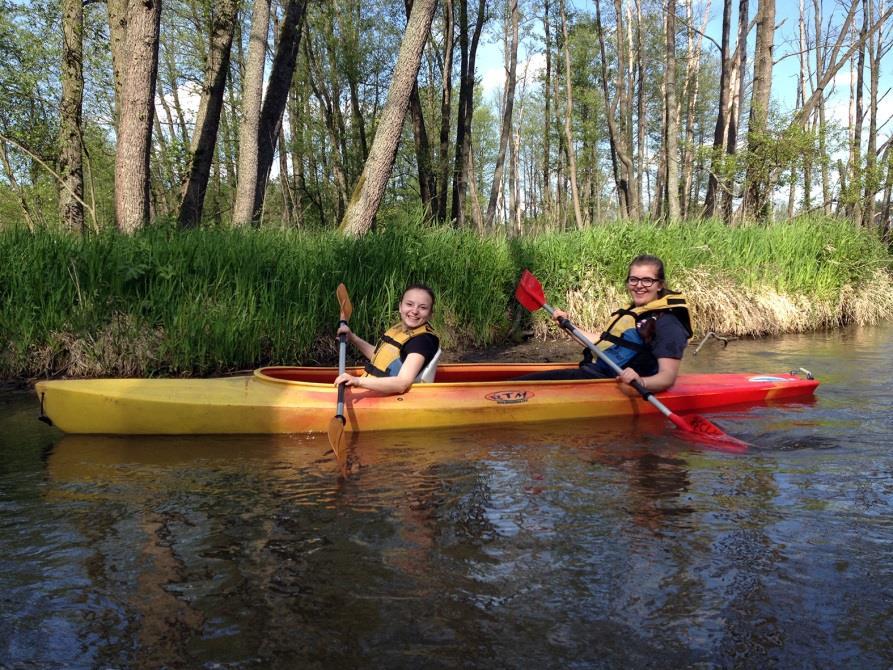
646, 339
406, 353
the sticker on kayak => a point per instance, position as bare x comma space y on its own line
769, 379
509, 397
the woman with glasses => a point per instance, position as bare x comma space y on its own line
646, 339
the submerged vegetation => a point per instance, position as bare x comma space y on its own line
210, 301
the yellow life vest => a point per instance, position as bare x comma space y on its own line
386, 357
628, 335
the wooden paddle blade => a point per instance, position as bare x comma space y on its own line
344, 302
529, 292
709, 433
336, 441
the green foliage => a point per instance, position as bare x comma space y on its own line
212, 300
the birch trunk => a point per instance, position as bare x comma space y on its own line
508, 102
370, 188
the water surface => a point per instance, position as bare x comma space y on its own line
566, 545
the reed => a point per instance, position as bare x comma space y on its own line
211, 301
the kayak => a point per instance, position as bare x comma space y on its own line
287, 399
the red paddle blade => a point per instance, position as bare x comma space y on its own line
709, 433
529, 292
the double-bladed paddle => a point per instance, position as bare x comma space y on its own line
530, 294
336, 425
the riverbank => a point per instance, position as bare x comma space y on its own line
213, 301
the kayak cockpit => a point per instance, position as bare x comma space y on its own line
447, 373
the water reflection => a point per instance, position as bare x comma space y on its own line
573, 544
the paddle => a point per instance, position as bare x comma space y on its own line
336, 425
530, 294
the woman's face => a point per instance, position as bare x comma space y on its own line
415, 308
639, 275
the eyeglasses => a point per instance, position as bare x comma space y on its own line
646, 282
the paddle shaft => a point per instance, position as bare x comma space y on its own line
580, 337
342, 358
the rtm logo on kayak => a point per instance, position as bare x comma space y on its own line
509, 397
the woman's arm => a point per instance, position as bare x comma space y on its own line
368, 350
390, 385
559, 314
667, 371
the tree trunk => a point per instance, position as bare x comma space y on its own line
276, 96
446, 102
671, 128
333, 128
137, 112
872, 178
71, 150
508, 98
117, 12
427, 183
642, 132
758, 182
621, 158
819, 73
804, 83
468, 53
568, 120
855, 193
692, 88
711, 200
249, 124
547, 112
207, 119
371, 185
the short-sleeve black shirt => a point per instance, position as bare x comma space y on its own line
425, 344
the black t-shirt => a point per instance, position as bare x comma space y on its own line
425, 344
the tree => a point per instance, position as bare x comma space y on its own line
377, 169
71, 149
446, 102
568, 118
468, 54
619, 124
671, 114
137, 112
207, 120
281, 73
757, 190
508, 101
427, 183
249, 125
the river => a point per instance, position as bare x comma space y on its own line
572, 545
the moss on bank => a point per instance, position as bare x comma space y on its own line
212, 301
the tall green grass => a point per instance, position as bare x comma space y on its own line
211, 301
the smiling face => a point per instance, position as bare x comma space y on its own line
642, 274
415, 308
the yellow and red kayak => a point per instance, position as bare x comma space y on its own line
302, 400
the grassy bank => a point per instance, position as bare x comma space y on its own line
210, 301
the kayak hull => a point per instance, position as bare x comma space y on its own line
303, 400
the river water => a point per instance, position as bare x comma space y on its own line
571, 545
